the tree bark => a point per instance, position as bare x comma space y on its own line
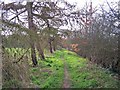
41, 53
54, 48
54, 45
31, 27
50, 45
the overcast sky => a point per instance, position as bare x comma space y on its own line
80, 3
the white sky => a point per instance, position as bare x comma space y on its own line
80, 3
95, 2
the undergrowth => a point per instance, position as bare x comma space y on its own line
83, 73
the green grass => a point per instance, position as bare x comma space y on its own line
83, 74
51, 72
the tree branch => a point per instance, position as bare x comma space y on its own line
17, 14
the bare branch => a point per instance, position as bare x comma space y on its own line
17, 15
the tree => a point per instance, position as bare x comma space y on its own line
38, 16
31, 27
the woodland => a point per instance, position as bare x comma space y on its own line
38, 53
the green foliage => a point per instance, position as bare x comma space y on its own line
50, 72
83, 74
16, 52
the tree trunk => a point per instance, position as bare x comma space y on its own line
54, 48
31, 26
50, 45
41, 53
33, 54
54, 45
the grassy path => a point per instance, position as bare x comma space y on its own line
68, 70
66, 83
85, 74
